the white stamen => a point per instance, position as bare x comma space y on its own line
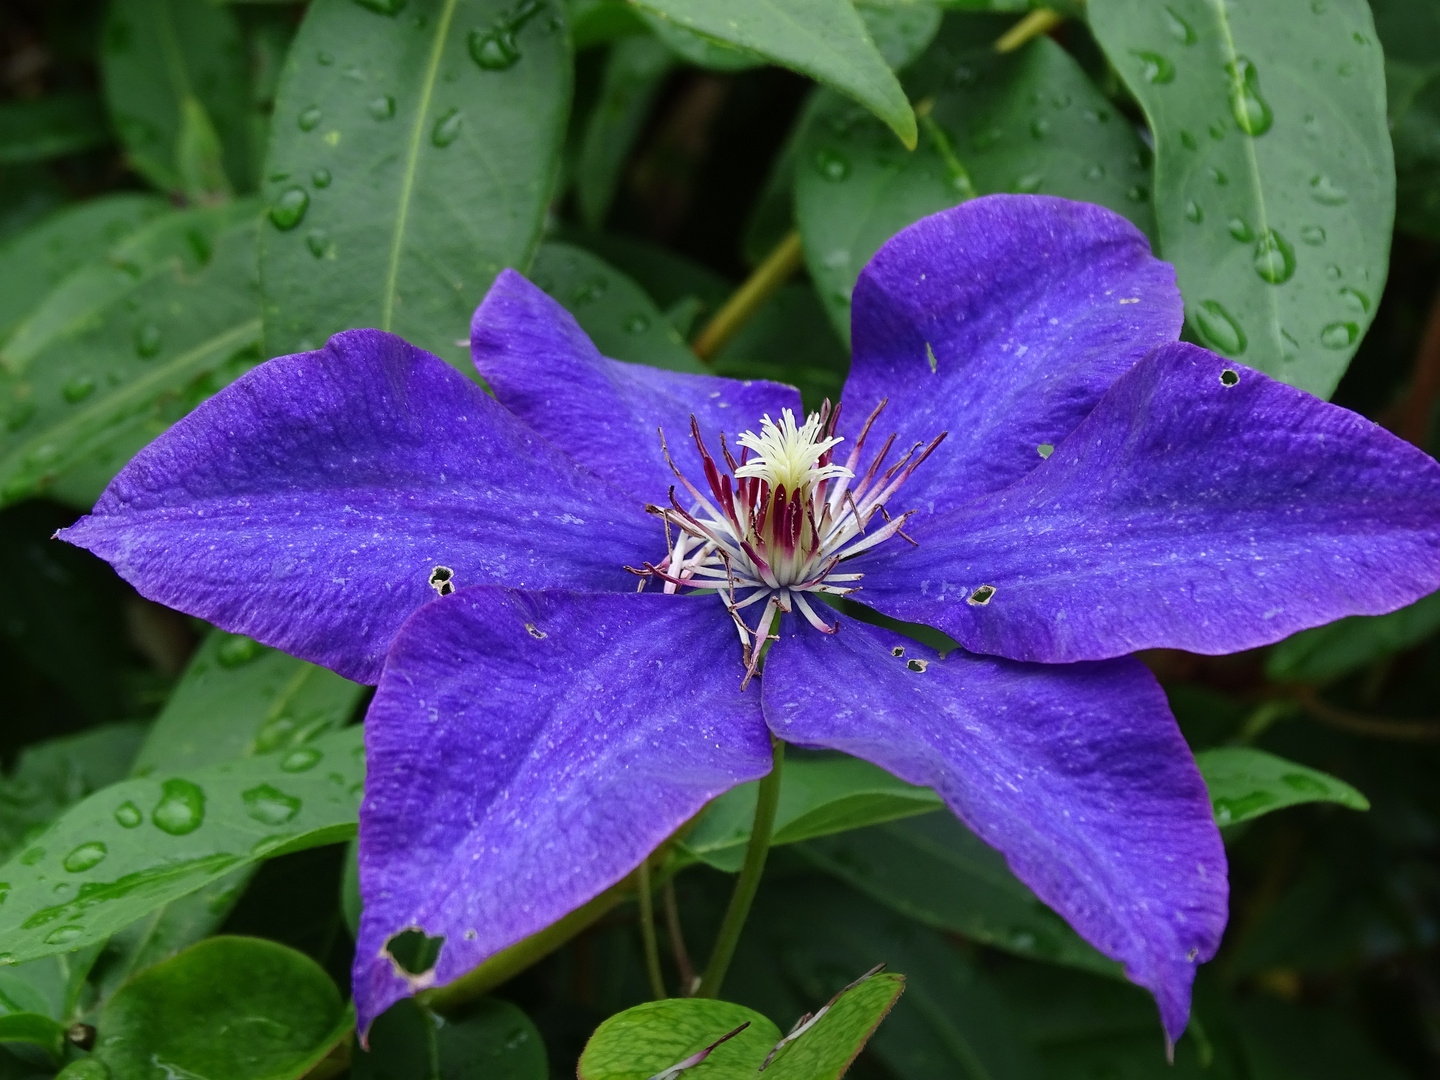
789, 456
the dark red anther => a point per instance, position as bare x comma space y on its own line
779, 525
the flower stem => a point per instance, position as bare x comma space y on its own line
1040, 21
749, 882
647, 931
757, 288
677, 940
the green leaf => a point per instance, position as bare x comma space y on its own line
1274, 184
818, 796
697, 49
122, 360
1245, 783
824, 1047
230, 1008
641, 1042
599, 22
486, 1040
37, 260
938, 872
411, 158
900, 31
238, 698
33, 1028
1328, 652
825, 39
140, 844
50, 126
1410, 33
168, 65
633, 73
623, 322
1030, 121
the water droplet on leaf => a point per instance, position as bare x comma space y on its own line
1095, 171
383, 7
1251, 112
63, 935
1340, 335
494, 50
181, 808
318, 241
1137, 193
1039, 126
1313, 235
78, 388
1029, 183
1193, 212
289, 208
237, 649
310, 118
1274, 258
1219, 328
447, 128
1187, 140
1240, 229
127, 815
1155, 68
1355, 299
590, 289
300, 760
382, 107
84, 857
1217, 176
831, 165
320, 178
147, 340
1326, 192
270, 806
1179, 29
637, 324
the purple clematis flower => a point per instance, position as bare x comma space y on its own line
540, 726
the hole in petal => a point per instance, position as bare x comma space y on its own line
413, 952
898, 650
1192, 954
917, 665
471, 935
1045, 449
1229, 376
981, 596
534, 631
442, 580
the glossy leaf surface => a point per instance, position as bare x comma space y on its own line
487, 1040
1245, 783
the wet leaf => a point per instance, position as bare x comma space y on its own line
140, 844
487, 1040
230, 1008
641, 1042
412, 155
1274, 183
1245, 783
1410, 34
1328, 652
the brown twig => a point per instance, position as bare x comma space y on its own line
1419, 404
1379, 727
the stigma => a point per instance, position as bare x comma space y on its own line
774, 528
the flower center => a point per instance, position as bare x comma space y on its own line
783, 525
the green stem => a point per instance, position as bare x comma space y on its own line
647, 931
749, 882
1040, 21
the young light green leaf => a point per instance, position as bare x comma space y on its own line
140, 844
1328, 652
1030, 121
633, 73
489, 1039
642, 1042
938, 872
825, 39
818, 796
114, 374
37, 260
230, 1008
411, 158
623, 322
1274, 183
50, 126
1245, 783
172, 68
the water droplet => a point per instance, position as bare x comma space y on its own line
320, 178
237, 649
590, 289
1274, 258
31, 857
318, 241
1219, 178
1289, 347
1333, 272
1219, 328
128, 815
18, 415
382, 107
63, 935
1217, 131
1179, 29
289, 208
1326, 192
1193, 212
1355, 299
181, 808
1187, 140
84, 857
324, 59
270, 806
6, 958
147, 340
78, 388
1240, 229
447, 128
494, 50
383, 7
1345, 70
1137, 193
300, 760
1251, 112
1095, 116
1039, 127
1095, 171
1154, 68
637, 324
1029, 183
1340, 335
309, 120
831, 165
1313, 235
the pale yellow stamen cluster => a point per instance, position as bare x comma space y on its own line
789, 456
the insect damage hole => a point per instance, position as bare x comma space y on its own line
917, 665
981, 596
414, 953
1229, 377
898, 650
442, 580
534, 631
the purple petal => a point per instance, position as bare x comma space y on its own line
606, 414
1184, 513
1076, 773
1030, 307
525, 751
309, 503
